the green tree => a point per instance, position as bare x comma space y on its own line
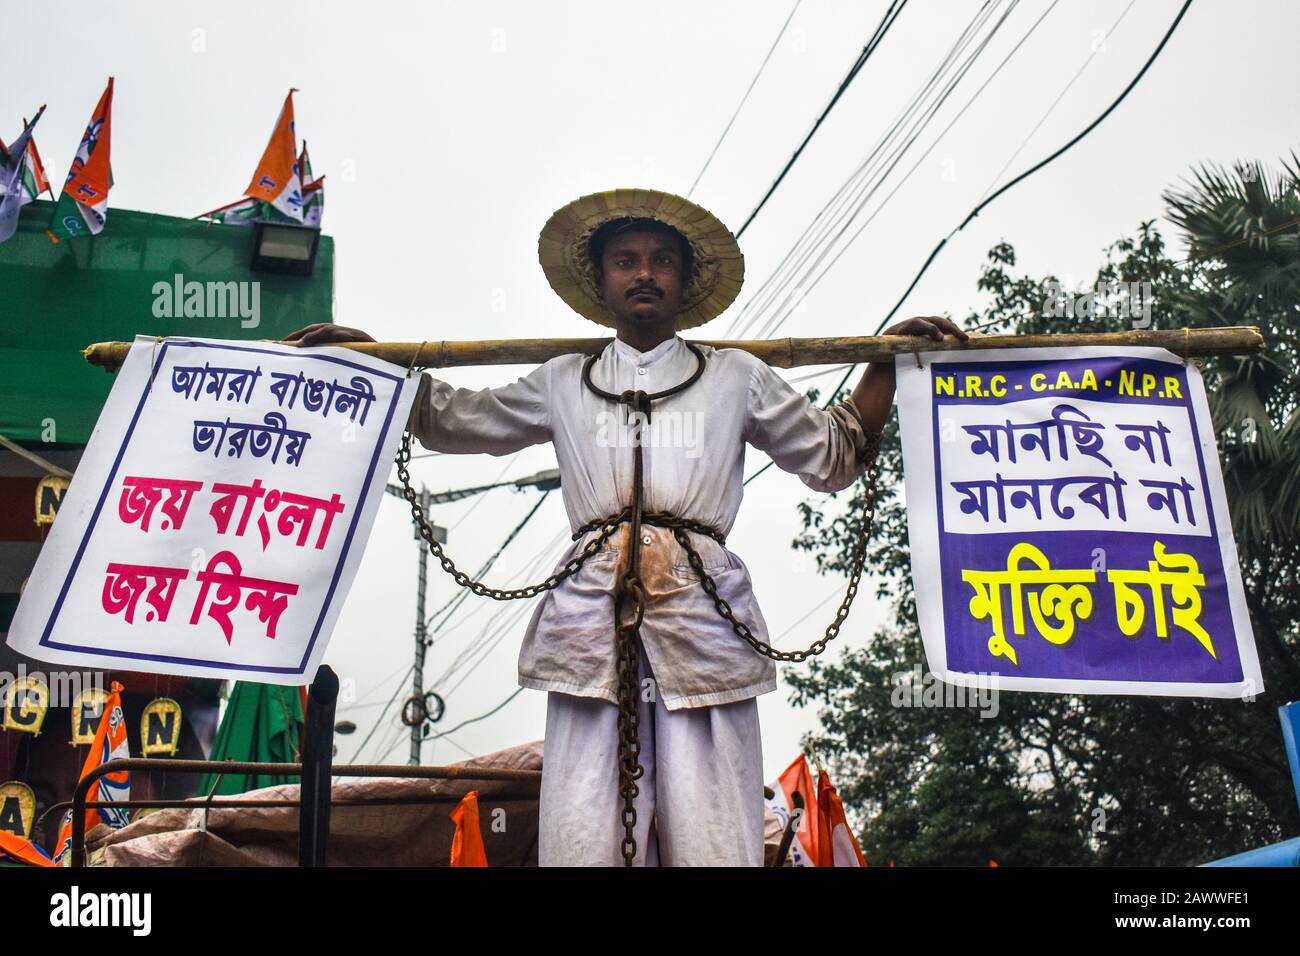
1071, 779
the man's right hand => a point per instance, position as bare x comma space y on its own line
327, 333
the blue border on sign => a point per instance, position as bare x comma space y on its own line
45, 640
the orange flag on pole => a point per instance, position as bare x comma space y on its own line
797, 778
277, 179
467, 844
110, 743
836, 843
82, 208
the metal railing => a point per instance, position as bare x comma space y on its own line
80, 804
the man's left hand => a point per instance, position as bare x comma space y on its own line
931, 326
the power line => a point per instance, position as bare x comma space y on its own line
380, 684
523, 572
380, 719
488, 632
474, 720
910, 120
487, 565
1056, 102
1037, 166
741, 104
895, 8
976, 211
776, 323
488, 648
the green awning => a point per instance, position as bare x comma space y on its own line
59, 298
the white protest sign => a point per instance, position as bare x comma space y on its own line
219, 512
1069, 526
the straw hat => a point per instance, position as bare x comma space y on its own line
716, 274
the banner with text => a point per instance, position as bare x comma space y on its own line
219, 512
1068, 524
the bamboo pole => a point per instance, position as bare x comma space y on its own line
782, 353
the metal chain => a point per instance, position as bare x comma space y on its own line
630, 588
628, 650
571, 567
871, 479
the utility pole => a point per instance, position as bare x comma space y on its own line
417, 676
415, 713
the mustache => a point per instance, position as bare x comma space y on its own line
645, 288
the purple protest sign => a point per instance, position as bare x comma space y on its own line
1068, 523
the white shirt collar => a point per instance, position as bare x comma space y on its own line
664, 348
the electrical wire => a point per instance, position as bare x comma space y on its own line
447, 609
380, 719
891, 14
741, 104
774, 324
475, 720
910, 120
1039, 165
975, 212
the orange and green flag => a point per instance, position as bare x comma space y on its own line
277, 180
110, 743
82, 208
20, 173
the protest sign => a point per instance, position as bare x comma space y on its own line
1068, 524
219, 512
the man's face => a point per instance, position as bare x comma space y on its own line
641, 277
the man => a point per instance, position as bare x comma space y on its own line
650, 265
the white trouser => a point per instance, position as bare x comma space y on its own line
701, 795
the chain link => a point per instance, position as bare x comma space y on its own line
871, 480
571, 567
628, 651
630, 590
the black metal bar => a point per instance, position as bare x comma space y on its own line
317, 758
178, 765
791, 825
233, 803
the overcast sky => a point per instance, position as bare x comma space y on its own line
449, 132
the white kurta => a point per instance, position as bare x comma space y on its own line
693, 467
699, 800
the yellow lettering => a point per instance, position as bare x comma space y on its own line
973, 386
1179, 573
1063, 380
1172, 387
1064, 598
998, 386
1127, 381
1089, 380
1148, 383
1037, 382
943, 385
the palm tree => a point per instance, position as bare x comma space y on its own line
1242, 227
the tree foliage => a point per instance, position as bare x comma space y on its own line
1055, 779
